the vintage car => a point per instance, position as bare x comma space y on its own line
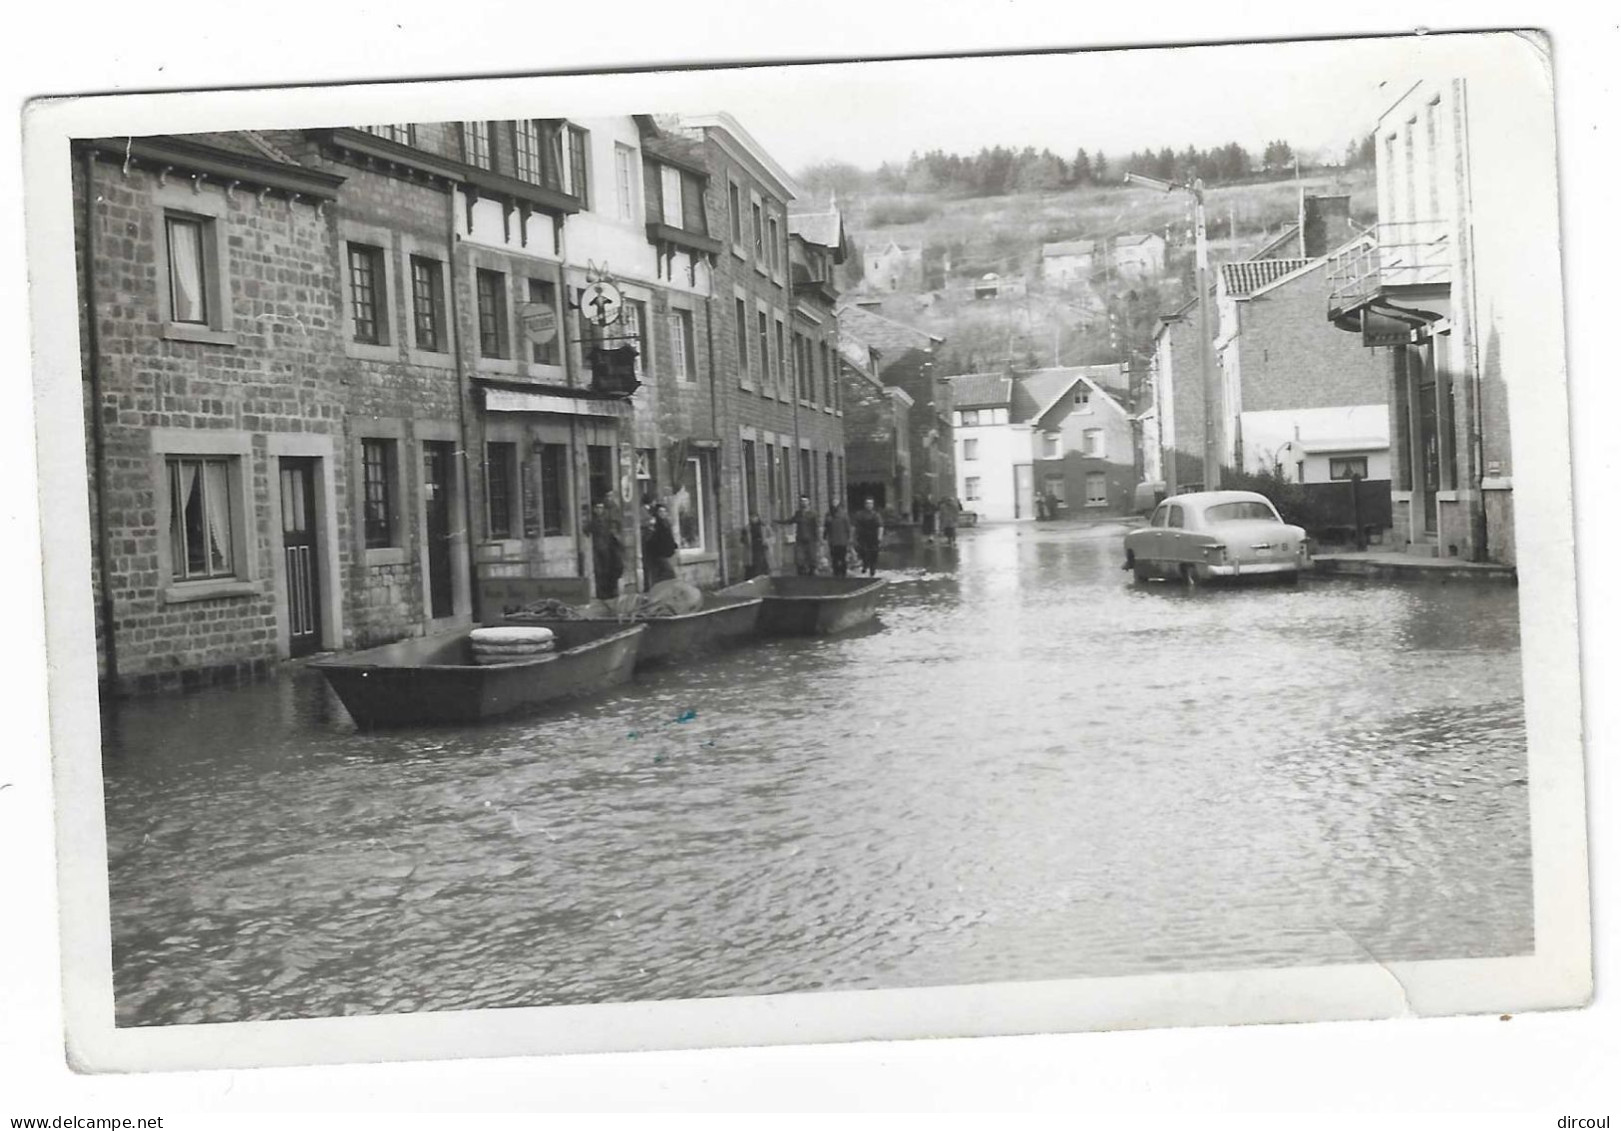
1210, 534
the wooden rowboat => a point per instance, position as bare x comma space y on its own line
433, 679
811, 606
723, 620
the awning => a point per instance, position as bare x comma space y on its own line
511, 400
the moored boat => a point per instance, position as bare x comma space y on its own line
435, 679
811, 606
723, 620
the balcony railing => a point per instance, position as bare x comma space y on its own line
1408, 253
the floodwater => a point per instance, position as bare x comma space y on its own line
1030, 769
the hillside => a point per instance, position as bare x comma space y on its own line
962, 238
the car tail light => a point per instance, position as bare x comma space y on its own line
1217, 552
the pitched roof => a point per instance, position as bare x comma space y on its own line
1138, 237
980, 390
1249, 275
824, 228
686, 153
1038, 393
1066, 247
884, 333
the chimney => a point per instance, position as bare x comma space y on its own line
1324, 222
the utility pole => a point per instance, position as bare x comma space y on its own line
1212, 453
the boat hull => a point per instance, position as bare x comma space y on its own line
433, 679
811, 606
725, 621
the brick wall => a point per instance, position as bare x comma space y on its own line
1291, 356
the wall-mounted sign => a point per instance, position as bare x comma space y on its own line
539, 322
601, 303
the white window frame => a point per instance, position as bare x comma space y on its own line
970, 450
1052, 446
683, 364
696, 463
625, 166
210, 209
1096, 444
670, 199
970, 488
237, 448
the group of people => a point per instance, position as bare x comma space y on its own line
938, 517
841, 530
659, 547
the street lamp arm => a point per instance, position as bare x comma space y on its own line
1151, 182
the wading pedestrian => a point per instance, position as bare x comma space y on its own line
837, 529
948, 519
868, 527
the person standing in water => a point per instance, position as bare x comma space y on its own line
837, 529
868, 527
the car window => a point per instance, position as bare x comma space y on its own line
1175, 518
1159, 515
1240, 512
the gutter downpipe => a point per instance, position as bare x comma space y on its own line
714, 419
570, 375
463, 392
98, 438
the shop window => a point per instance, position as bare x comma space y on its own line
691, 519
500, 487
553, 489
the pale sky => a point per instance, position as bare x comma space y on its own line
1311, 94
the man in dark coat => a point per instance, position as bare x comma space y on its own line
868, 527
607, 553
807, 532
659, 544
948, 519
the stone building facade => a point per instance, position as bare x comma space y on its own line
344, 385
215, 405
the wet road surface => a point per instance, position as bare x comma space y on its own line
1031, 769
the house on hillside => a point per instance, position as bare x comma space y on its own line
1067, 262
1444, 293
1138, 255
893, 268
906, 361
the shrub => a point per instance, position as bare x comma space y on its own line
1295, 505
891, 210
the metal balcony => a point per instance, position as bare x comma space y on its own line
1404, 255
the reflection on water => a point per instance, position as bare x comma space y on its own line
1032, 769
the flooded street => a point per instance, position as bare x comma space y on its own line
1030, 769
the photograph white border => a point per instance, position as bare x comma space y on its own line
1552, 708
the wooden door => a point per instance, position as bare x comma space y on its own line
300, 555
436, 497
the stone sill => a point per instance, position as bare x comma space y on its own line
368, 351
1497, 483
693, 557
188, 591
386, 556
431, 359
191, 332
